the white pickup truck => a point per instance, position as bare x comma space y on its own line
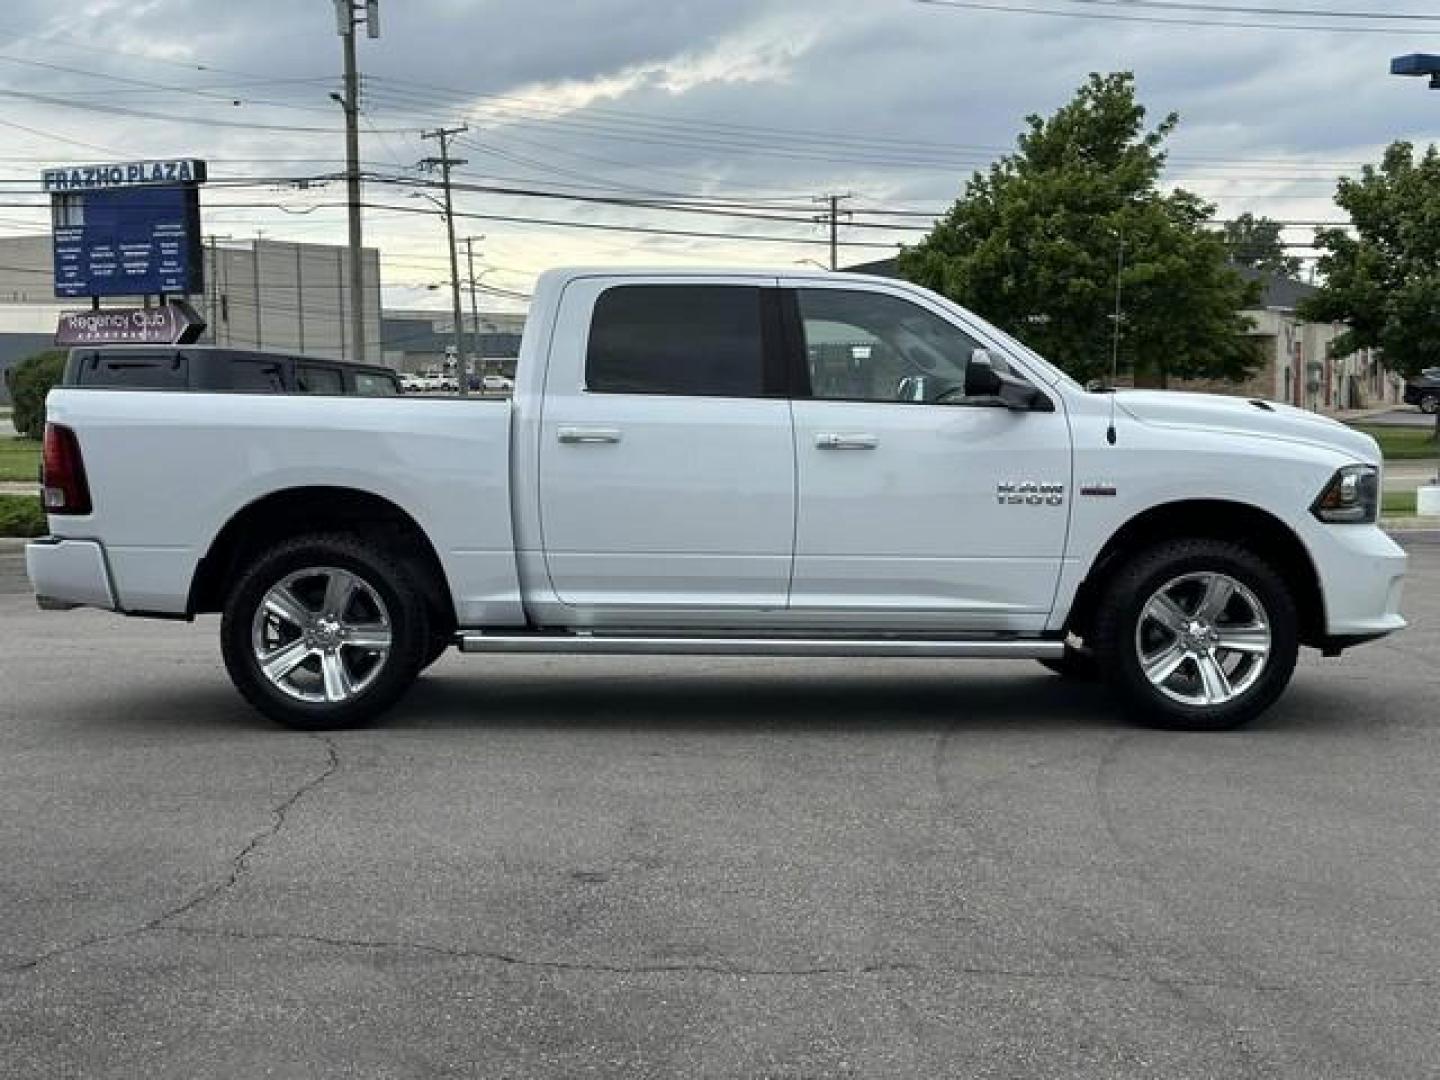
738, 463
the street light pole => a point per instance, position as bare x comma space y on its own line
347, 16
445, 161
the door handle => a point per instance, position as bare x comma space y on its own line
835, 440
587, 435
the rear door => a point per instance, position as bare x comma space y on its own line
667, 465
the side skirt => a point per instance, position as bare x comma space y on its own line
716, 645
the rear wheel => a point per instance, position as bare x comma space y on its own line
324, 631
1197, 635
1430, 403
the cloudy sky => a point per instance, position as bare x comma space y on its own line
739, 110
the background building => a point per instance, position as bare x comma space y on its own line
423, 340
268, 294
272, 294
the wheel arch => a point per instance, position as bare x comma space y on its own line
294, 511
1219, 519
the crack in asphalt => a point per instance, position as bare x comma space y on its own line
238, 865
510, 959
241, 860
739, 971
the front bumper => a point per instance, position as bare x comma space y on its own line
1362, 573
69, 574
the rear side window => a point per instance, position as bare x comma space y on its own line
368, 384
263, 376
685, 340
318, 380
153, 371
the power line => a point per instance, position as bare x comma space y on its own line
148, 114
1015, 9
1179, 5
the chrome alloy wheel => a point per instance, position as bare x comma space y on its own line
321, 634
1203, 639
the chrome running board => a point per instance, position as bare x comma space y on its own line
714, 645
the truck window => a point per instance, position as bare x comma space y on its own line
372, 384
684, 340
257, 376
146, 370
313, 379
870, 346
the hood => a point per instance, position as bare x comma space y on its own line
1246, 416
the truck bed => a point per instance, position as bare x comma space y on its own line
170, 470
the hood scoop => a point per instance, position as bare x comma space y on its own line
1263, 406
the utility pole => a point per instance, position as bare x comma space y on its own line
214, 285
474, 308
445, 161
349, 14
833, 217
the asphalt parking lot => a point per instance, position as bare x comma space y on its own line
682, 867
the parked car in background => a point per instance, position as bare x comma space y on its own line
411, 383
216, 369
1424, 391
497, 384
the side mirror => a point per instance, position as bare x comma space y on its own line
981, 380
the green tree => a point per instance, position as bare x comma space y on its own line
1383, 281
1256, 243
1034, 245
29, 381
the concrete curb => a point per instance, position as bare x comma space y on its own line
1410, 524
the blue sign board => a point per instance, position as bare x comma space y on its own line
140, 239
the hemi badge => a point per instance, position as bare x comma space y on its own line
1100, 491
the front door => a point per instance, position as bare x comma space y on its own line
918, 506
667, 461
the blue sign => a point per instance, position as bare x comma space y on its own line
137, 240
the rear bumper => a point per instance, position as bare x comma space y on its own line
69, 574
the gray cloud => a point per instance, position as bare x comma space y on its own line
854, 69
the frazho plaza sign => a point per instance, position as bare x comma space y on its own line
123, 174
127, 229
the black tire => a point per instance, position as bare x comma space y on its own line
1430, 403
1118, 625
384, 678
1075, 666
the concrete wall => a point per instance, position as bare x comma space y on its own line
276, 295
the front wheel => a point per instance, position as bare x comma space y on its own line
324, 632
1430, 403
1198, 635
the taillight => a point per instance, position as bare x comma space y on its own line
62, 473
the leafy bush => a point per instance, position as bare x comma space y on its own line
20, 515
30, 380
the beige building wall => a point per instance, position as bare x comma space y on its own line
1300, 369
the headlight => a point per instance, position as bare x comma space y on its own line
1351, 498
